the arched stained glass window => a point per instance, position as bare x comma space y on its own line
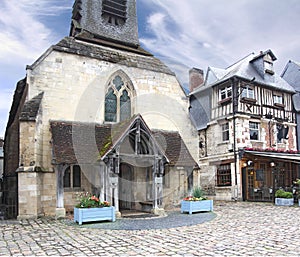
110, 106
118, 82
118, 100
125, 106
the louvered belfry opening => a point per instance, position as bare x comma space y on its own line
115, 11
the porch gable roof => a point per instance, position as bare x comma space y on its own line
78, 142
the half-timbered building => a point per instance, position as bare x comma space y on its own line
247, 130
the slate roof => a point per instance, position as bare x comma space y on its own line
109, 52
31, 108
245, 70
75, 142
291, 74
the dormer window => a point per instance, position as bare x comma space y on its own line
269, 67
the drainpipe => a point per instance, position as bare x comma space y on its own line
234, 110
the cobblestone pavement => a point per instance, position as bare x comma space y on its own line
239, 229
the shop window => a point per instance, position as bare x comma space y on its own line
72, 177
254, 130
225, 131
224, 175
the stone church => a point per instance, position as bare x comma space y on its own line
97, 113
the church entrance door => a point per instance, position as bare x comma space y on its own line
125, 187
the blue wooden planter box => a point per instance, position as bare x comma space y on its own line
196, 206
94, 214
284, 201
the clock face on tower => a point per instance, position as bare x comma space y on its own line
202, 145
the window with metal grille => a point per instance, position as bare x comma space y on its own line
224, 175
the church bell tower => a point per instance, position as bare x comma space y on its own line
108, 20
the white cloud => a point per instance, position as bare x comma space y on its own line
25, 36
202, 33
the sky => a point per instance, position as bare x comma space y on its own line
182, 33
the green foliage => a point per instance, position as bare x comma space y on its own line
280, 193
197, 192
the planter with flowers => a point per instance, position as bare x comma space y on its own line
90, 208
196, 202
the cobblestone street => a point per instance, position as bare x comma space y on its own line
239, 229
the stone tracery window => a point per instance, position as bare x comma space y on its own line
118, 101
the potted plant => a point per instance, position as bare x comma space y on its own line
90, 208
196, 202
284, 198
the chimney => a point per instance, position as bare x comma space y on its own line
196, 78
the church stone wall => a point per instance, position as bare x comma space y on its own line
75, 86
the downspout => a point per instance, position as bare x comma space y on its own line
234, 110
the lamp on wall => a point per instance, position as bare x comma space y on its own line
272, 164
249, 163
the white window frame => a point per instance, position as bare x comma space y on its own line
226, 91
277, 99
225, 129
248, 92
254, 128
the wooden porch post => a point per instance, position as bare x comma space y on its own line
60, 209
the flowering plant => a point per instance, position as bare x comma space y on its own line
197, 195
90, 201
271, 150
192, 198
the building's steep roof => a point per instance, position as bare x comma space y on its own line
291, 74
75, 142
17, 102
244, 70
31, 108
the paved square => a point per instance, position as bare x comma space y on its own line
239, 229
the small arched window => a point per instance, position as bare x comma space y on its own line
117, 101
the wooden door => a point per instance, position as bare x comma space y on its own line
125, 187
